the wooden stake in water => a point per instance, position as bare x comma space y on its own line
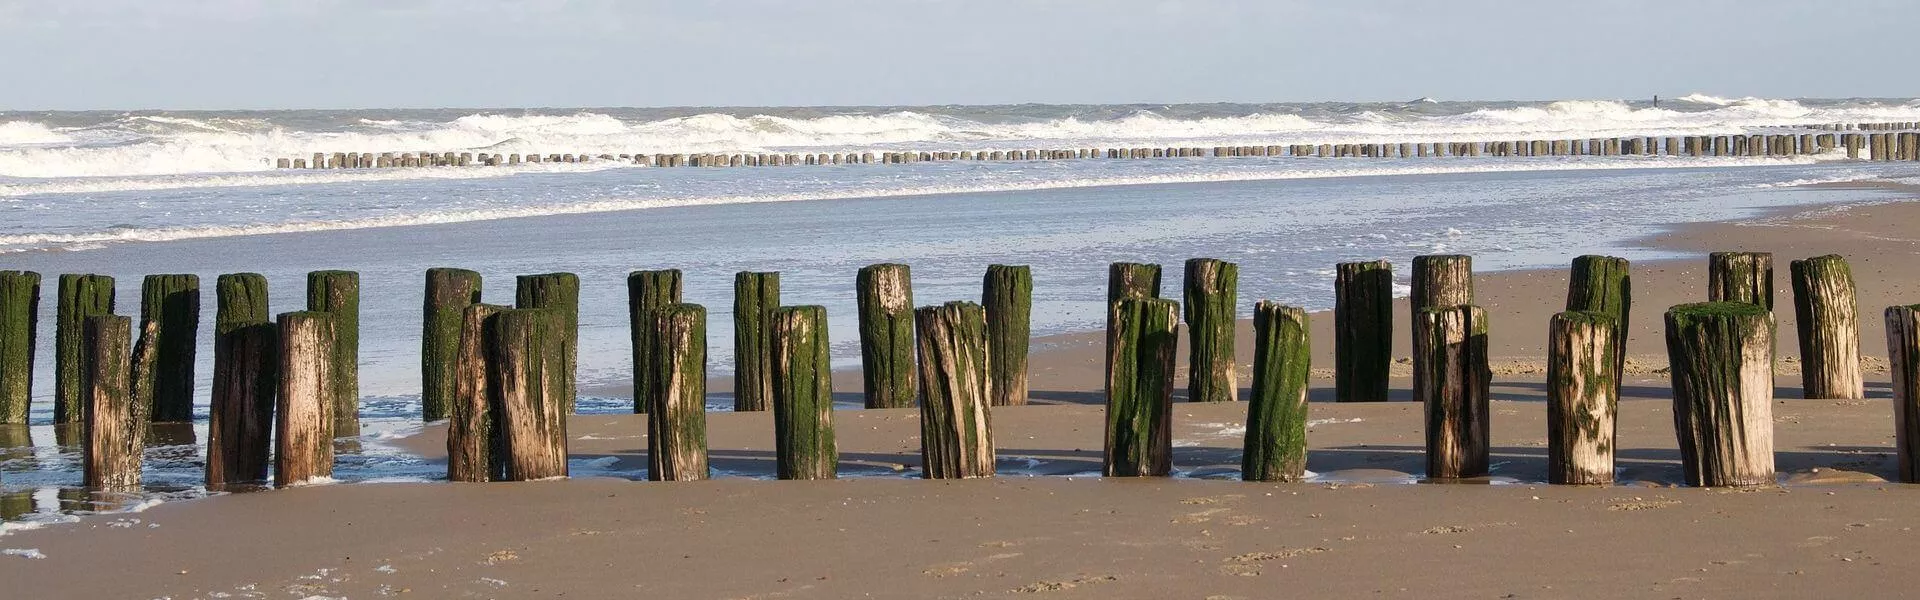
530, 383
474, 451
803, 394
246, 378
19, 331
1212, 288
1583, 395
449, 293
956, 434
171, 305
1140, 359
303, 449
116, 423
1363, 330
561, 293
1451, 378
886, 335
677, 419
1276, 441
648, 293
755, 296
81, 296
338, 293
1127, 280
1829, 326
1722, 369
1007, 294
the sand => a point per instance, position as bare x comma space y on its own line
1044, 529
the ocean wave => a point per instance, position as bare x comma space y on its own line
154, 145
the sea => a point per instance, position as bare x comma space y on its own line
130, 193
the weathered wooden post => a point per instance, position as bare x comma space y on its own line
1583, 394
1140, 359
246, 378
1604, 284
1441, 280
19, 331
474, 450
1127, 280
677, 419
338, 293
449, 293
886, 335
303, 440
648, 293
170, 308
1007, 293
1276, 441
802, 394
1451, 377
1212, 294
1903, 356
956, 435
1741, 277
81, 296
1829, 326
1363, 330
561, 293
1722, 369
529, 381
755, 295
116, 420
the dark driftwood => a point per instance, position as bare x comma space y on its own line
303, 448
956, 435
449, 293
755, 295
1140, 359
19, 331
530, 381
81, 296
171, 304
338, 293
1007, 294
116, 420
1362, 330
1583, 395
1722, 369
246, 376
886, 335
648, 293
677, 417
1212, 294
1829, 326
561, 293
803, 394
1276, 442
1451, 378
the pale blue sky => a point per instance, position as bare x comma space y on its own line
210, 54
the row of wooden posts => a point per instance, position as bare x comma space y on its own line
1875, 146
504, 376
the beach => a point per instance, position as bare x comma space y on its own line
1050, 527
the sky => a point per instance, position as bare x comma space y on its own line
269, 54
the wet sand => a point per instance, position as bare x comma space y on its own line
1835, 528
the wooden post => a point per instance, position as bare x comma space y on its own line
246, 377
1362, 330
1829, 326
170, 308
474, 450
1007, 293
886, 335
116, 420
1441, 280
802, 394
1604, 284
449, 293
1451, 377
1903, 356
1583, 394
755, 295
530, 379
303, 440
1140, 357
1741, 277
1276, 440
338, 292
956, 435
19, 331
560, 292
1127, 280
1722, 369
677, 419
81, 296
1212, 288
648, 293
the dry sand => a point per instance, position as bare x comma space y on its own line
1835, 528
